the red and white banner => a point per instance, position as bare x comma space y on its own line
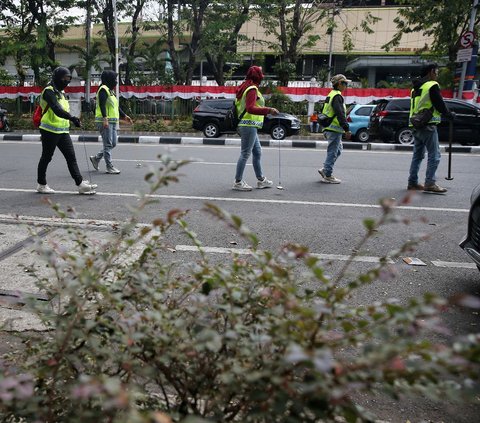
168, 92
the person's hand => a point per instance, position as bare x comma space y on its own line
128, 119
274, 111
105, 122
76, 121
451, 115
348, 135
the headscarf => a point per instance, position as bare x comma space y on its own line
58, 77
109, 78
254, 77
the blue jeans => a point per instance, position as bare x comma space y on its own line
109, 139
426, 138
250, 144
334, 150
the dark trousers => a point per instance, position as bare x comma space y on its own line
50, 141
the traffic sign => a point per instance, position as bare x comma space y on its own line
467, 39
464, 55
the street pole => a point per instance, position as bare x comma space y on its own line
88, 61
464, 64
117, 87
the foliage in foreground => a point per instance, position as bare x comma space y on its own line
134, 337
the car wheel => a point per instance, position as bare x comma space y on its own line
278, 132
362, 135
211, 130
404, 136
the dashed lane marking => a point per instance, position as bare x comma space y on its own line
251, 200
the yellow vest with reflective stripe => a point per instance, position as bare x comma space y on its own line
328, 110
111, 106
249, 119
50, 121
423, 101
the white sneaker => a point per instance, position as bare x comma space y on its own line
45, 189
265, 183
241, 186
94, 161
87, 188
328, 179
113, 170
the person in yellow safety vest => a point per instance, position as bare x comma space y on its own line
107, 114
251, 108
426, 95
335, 108
55, 132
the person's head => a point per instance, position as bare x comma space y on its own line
429, 71
61, 77
255, 74
340, 82
109, 78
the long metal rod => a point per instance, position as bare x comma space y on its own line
117, 87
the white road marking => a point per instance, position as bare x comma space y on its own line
251, 200
95, 223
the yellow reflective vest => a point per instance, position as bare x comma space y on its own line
328, 110
50, 121
249, 119
113, 111
423, 101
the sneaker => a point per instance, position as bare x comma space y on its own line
94, 161
45, 189
322, 173
113, 170
264, 183
241, 186
331, 180
434, 188
86, 188
415, 187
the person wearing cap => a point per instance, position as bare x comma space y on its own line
107, 114
251, 107
426, 95
55, 132
335, 108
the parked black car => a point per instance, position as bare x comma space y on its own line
471, 242
209, 117
389, 122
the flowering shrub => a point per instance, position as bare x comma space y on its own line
134, 337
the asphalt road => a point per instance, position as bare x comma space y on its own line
326, 218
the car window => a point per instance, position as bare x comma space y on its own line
463, 109
399, 105
364, 111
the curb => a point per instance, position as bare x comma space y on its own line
146, 139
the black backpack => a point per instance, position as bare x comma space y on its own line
232, 118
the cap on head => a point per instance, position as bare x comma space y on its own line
339, 78
255, 74
109, 78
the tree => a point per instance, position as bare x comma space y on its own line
444, 20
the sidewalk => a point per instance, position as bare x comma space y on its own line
315, 141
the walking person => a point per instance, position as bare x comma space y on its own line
55, 132
251, 103
107, 114
426, 95
335, 108
314, 125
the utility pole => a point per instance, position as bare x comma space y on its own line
117, 70
464, 64
335, 11
88, 61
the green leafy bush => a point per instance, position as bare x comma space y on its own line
134, 337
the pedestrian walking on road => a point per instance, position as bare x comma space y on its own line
250, 102
426, 95
107, 115
335, 108
55, 132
